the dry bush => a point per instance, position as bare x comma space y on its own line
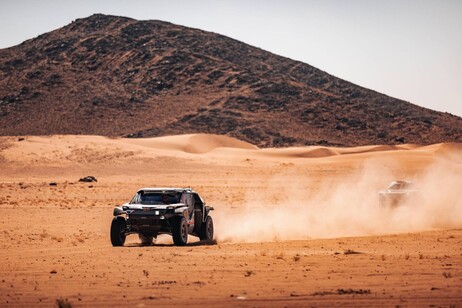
63, 303
351, 252
44, 235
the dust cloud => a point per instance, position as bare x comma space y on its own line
348, 206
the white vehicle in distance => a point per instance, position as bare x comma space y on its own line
397, 193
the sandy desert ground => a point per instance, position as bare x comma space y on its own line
294, 227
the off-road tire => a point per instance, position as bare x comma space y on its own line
118, 227
180, 231
197, 221
206, 232
145, 240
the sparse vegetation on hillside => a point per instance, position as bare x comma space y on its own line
116, 76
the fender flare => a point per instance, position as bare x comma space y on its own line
119, 211
207, 209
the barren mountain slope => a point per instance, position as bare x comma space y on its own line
114, 76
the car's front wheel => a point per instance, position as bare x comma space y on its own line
180, 231
118, 228
206, 233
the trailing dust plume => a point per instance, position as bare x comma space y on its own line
345, 207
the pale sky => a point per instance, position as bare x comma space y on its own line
408, 49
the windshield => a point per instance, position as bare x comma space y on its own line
400, 185
155, 198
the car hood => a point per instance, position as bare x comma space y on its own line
129, 206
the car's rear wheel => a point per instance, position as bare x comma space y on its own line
180, 231
197, 221
206, 233
118, 227
145, 240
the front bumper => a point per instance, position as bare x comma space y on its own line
149, 221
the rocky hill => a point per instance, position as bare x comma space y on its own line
116, 76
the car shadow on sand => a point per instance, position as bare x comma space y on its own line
199, 243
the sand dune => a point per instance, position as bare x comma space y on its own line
54, 148
193, 143
300, 152
284, 218
372, 148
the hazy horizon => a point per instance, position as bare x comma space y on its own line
405, 49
